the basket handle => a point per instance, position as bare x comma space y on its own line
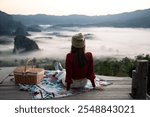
28, 61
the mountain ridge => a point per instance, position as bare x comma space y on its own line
127, 19
138, 18
8, 26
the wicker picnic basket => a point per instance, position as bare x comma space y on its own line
28, 75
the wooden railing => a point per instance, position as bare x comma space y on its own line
140, 80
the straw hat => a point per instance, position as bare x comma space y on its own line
78, 41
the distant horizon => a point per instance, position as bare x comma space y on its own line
72, 7
75, 14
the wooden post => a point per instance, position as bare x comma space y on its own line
141, 75
134, 85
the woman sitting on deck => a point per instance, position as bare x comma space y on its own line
79, 65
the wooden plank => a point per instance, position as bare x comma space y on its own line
99, 95
116, 91
4, 73
121, 82
15, 95
12, 92
114, 78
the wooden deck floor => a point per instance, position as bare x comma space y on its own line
119, 90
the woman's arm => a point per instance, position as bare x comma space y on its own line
68, 71
91, 74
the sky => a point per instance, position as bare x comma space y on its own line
68, 7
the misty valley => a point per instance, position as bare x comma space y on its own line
101, 41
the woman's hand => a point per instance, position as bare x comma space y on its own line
100, 88
66, 92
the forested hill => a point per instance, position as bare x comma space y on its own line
8, 25
139, 18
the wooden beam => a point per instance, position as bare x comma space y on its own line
134, 85
141, 77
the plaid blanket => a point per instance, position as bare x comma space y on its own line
51, 86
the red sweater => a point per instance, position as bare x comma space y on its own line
74, 72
